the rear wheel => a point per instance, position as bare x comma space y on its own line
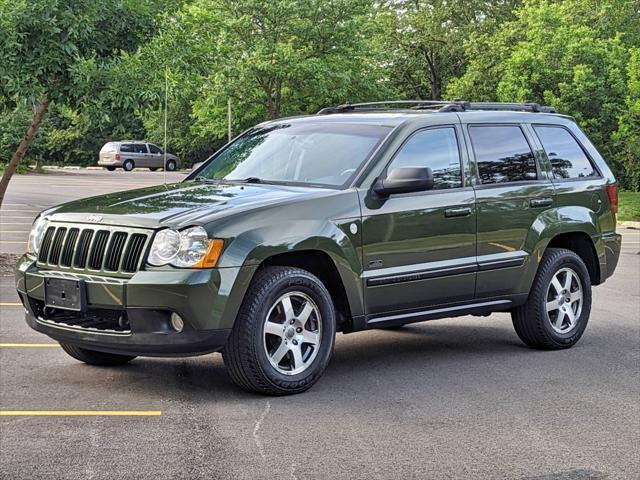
111, 169
557, 311
128, 165
171, 165
283, 337
93, 357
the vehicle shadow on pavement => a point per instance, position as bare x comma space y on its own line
369, 354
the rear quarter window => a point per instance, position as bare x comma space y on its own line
567, 158
127, 147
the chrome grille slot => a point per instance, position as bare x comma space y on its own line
88, 248
82, 252
114, 252
46, 245
69, 247
132, 256
96, 256
56, 247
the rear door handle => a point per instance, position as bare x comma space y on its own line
541, 202
457, 212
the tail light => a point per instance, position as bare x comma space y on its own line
117, 156
612, 193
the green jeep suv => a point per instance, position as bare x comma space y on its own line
363, 216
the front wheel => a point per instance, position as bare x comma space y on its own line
284, 334
557, 311
93, 357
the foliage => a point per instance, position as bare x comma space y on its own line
103, 64
572, 55
629, 210
627, 137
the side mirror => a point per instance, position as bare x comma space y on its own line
404, 180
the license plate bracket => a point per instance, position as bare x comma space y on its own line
66, 294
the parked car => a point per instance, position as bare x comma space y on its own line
362, 217
129, 154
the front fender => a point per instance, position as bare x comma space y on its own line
557, 221
334, 238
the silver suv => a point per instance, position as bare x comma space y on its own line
133, 154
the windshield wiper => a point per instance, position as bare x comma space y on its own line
251, 180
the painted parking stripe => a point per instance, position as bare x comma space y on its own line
29, 345
82, 413
10, 304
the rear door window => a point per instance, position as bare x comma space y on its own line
567, 157
502, 154
140, 147
154, 149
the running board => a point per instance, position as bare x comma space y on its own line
422, 315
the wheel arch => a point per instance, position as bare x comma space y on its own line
320, 264
582, 245
572, 227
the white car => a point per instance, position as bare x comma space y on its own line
128, 155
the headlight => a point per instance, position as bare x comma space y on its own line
37, 234
187, 248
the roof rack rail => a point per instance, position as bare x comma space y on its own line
522, 107
437, 106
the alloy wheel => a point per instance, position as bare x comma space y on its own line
564, 300
292, 333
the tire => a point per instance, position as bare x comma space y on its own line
171, 166
96, 358
557, 328
251, 354
111, 169
153, 169
128, 165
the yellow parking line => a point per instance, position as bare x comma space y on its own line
10, 304
29, 345
82, 413
12, 241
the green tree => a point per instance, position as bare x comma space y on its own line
627, 136
571, 55
423, 40
43, 42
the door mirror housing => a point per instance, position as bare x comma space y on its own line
404, 180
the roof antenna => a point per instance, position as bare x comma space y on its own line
166, 96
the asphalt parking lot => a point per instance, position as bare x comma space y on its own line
458, 398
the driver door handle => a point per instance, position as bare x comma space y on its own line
457, 212
541, 202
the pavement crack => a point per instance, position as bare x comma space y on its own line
256, 430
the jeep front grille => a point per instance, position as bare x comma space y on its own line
93, 249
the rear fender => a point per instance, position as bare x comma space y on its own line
554, 222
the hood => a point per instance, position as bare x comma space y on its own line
176, 205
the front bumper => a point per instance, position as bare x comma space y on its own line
207, 300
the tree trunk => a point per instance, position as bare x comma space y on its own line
17, 157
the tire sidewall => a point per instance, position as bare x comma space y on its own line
171, 165
318, 293
575, 263
125, 165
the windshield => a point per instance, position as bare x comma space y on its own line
325, 154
